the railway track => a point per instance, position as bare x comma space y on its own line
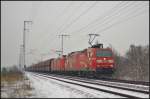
132, 87
127, 81
120, 90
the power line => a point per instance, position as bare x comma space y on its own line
99, 18
64, 11
103, 21
109, 12
73, 12
125, 7
101, 24
61, 14
116, 16
77, 19
67, 19
131, 12
84, 12
118, 22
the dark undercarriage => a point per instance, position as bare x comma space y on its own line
99, 73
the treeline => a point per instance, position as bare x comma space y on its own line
11, 75
11, 69
134, 65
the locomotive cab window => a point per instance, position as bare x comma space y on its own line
103, 53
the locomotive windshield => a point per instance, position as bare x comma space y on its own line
103, 53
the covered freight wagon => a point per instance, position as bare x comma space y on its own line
58, 64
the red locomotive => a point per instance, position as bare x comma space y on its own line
95, 59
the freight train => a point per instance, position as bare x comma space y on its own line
91, 61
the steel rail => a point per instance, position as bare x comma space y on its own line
99, 89
113, 86
107, 83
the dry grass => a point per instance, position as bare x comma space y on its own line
12, 77
17, 83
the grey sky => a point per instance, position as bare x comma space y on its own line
129, 24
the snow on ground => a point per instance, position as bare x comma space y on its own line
15, 89
141, 95
50, 88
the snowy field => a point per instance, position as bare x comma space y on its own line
50, 88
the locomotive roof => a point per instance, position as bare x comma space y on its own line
76, 52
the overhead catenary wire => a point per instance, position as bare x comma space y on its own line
102, 18
77, 7
101, 22
101, 29
70, 16
125, 14
127, 9
111, 15
105, 14
67, 20
64, 35
77, 18
62, 13
42, 36
34, 13
130, 12
80, 15
118, 22
123, 7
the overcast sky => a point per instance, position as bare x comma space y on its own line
118, 23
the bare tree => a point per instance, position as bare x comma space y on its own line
134, 65
138, 57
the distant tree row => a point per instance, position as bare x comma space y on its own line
10, 69
134, 65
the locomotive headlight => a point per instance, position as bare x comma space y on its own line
99, 61
110, 61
